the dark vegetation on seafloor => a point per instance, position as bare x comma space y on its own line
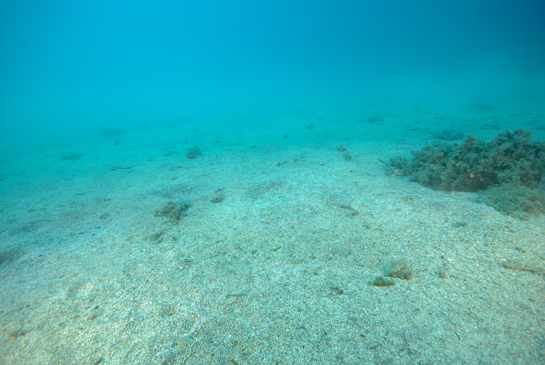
507, 172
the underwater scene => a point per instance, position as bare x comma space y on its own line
272, 182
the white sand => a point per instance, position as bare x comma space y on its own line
279, 271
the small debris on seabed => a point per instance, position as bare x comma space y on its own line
192, 153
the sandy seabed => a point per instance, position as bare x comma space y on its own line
273, 261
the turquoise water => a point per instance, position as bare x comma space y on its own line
76, 66
230, 182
